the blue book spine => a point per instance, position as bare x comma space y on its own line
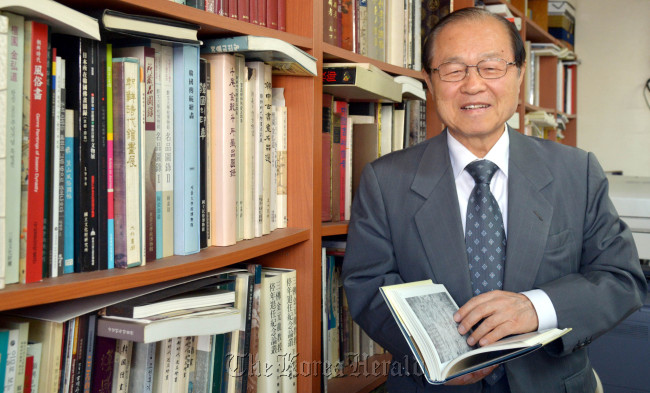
68, 215
186, 149
4, 347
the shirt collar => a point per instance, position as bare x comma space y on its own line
460, 156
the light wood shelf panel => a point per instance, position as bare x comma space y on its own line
334, 228
76, 285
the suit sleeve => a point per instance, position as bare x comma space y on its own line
369, 264
609, 285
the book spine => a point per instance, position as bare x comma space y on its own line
289, 353
125, 157
203, 160
122, 365
272, 13
13, 143
281, 197
80, 355
240, 83
158, 152
342, 110
261, 12
90, 353
267, 132
11, 358
57, 188
4, 46
35, 89
149, 164
274, 169
69, 210
89, 147
330, 34
110, 203
232, 8
258, 145
186, 150
362, 21
347, 24
223, 154
282, 15
220, 7
270, 331
204, 359
243, 10
248, 171
253, 349
209, 6
254, 11
101, 194
104, 355
167, 125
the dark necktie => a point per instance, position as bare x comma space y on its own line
484, 234
485, 238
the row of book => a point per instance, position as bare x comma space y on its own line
385, 30
267, 13
126, 150
384, 114
228, 330
344, 342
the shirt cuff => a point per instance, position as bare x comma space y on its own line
546, 316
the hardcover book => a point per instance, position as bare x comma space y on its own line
126, 162
222, 130
186, 150
284, 58
424, 313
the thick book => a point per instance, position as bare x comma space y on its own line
186, 149
424, 313
35, 135
360, 81
116, 24
13, 145
217, 321
259, 124
284, 58
146, 56
222, 129
204, 159
61, 18
4, 44
57, 212
126, 174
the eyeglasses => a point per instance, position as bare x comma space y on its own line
487, 69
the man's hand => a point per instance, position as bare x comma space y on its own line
500, 314
471, 378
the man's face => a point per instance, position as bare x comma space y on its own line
475, 109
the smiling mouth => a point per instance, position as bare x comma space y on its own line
475, 106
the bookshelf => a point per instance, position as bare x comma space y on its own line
297, 247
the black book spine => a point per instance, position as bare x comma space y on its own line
90, 263
203, 149
245, 353
102, 161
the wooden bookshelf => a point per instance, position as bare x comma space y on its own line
334, 228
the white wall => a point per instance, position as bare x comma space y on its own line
613, 43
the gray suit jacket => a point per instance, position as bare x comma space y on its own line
564, 237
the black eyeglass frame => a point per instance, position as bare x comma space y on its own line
478, 70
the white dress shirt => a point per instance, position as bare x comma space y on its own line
460, 156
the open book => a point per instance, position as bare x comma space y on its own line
424, 312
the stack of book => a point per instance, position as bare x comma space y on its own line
217, 331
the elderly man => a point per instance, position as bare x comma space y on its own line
520, 230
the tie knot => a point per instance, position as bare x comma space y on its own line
482, 171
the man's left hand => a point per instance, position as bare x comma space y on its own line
500, 314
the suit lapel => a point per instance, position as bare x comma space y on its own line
529, 214
438, 220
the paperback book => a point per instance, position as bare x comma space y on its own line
424, 313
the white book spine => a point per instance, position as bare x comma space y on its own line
266, 141
248, 157
258, 147
167, 125
4, 46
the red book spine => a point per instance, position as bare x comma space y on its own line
244, 10
272, 14
282, 15
261, 12
37, 90
232, 8
252, 6
346, 8
220, 7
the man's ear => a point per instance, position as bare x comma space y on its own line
427, 80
